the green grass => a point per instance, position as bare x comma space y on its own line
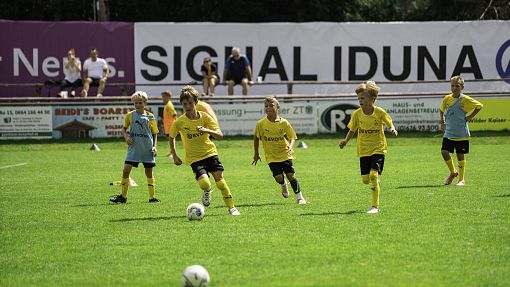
58, 229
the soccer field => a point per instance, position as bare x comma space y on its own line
57, 227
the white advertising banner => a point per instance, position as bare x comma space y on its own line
408, 114
241, 119
328, 52
102, 121
25, 122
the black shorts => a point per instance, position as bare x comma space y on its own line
95, 82
282, 167
375, 161
458, 146
207, 165
145, 164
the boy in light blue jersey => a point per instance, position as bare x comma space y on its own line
455, 111
142, 141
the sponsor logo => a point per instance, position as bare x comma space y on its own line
335, 118
503, 68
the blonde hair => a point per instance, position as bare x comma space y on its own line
458, 79
189, 93
272, 99
370, 87
139, 95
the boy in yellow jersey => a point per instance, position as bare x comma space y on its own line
195, 128
455, 111
169, 114
206, 108
274, 131
368, 121
142, 141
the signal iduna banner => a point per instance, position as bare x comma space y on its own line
323, 52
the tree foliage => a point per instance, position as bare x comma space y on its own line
255, 11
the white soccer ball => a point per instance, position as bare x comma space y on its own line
195, 276
195, 211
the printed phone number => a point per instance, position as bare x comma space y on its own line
418, 128
24, 112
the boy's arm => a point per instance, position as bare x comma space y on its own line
473, 114
348, 137
126, 136
216, 134
441, 121
155, 144
256, 156
291, 146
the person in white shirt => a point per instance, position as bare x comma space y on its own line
72, 73
95, 71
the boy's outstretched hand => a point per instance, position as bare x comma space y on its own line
394, 132
342, 143
256, 158
177, 160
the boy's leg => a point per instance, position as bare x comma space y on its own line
124, 184
150, 184
281, 181
296, 188
205, 186
462, 168
374, 185
447, 148
225, 192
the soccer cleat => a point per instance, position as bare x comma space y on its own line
285, 190
234, 211
206, 198
118, 199
373, 210
450, 178
301, 201
461, 183
154, 200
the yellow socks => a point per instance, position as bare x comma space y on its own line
449, 163
225, 191
462, 169
124, 183
374, 185
150, 185
204, 184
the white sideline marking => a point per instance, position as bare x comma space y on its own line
13, 165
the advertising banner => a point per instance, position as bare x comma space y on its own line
241, 119
25, 122
34, 51
494, 116
328, 52
101, 121
408, 114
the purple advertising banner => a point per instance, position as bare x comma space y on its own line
33, 52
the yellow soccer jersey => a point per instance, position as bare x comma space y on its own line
197, 145
153, 125
272, 135
371, 139
168, 116
206, 108
467, 104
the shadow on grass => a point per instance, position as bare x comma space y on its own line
180, 217
254, 205
350, 212
503, 195
420, 186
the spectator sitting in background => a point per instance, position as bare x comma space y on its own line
209, 76
237, 71
72, 74
95, 71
